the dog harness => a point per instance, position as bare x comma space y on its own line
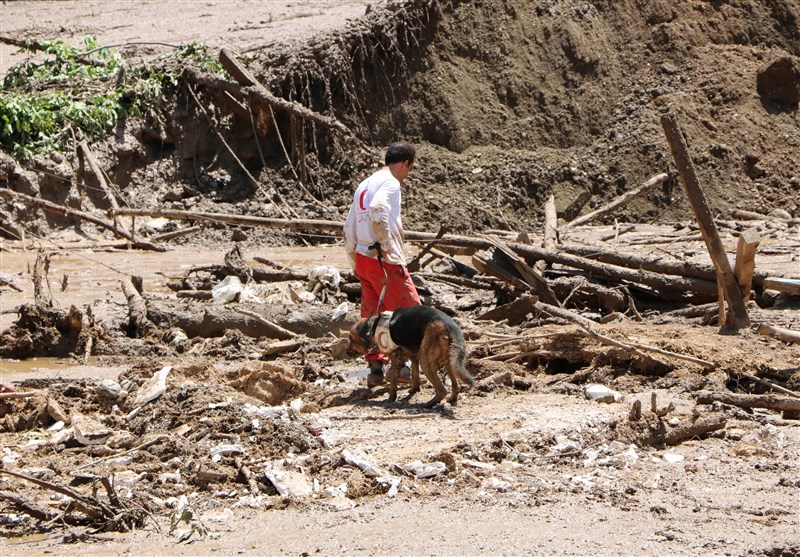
381, 336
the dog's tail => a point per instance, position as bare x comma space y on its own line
458, 359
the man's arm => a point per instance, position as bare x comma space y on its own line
380, 210
350, 239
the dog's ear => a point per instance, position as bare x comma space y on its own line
363, 328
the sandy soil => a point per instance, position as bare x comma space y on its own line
249, 25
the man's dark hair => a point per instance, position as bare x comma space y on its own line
399, 152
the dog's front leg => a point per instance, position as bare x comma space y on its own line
394, 370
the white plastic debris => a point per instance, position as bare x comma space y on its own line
425, 469
500, 485
327, 275
228, 290
153, 387
359, 459
58, 426
9, 458
772, 436
601, 393
477, 464
264, 412
340, 311
226, 449
248, 294
288, 482
672, 458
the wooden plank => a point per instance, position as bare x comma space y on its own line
746, 260
738, 317
550, 237
515, 311
786, 285
526, 273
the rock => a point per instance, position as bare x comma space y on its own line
780, 214
109, 388
601, 393
62, 436
122, 440
672, 458
89, 431
153, 387
55, 410
780, 80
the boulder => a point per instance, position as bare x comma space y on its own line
780, 80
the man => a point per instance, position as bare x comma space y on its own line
375, 217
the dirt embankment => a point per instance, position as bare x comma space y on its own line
510, 102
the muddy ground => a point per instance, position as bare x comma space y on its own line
274, 446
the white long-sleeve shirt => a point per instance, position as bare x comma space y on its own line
375, 217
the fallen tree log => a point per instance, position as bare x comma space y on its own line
287, 224
772, 402
138, 323
67, 212
785, 285
703, 290
656, 264
785, 335
205, 321
94, 165
654, 432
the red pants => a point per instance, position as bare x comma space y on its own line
400, 290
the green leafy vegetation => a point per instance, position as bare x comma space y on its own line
78, 93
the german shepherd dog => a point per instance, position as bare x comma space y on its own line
423, 334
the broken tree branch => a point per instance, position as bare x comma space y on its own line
67, 212
785, 335
94, 165
137, 310
772, 402
277, 331
623, 199
738, 317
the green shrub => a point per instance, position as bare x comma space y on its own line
81, 93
